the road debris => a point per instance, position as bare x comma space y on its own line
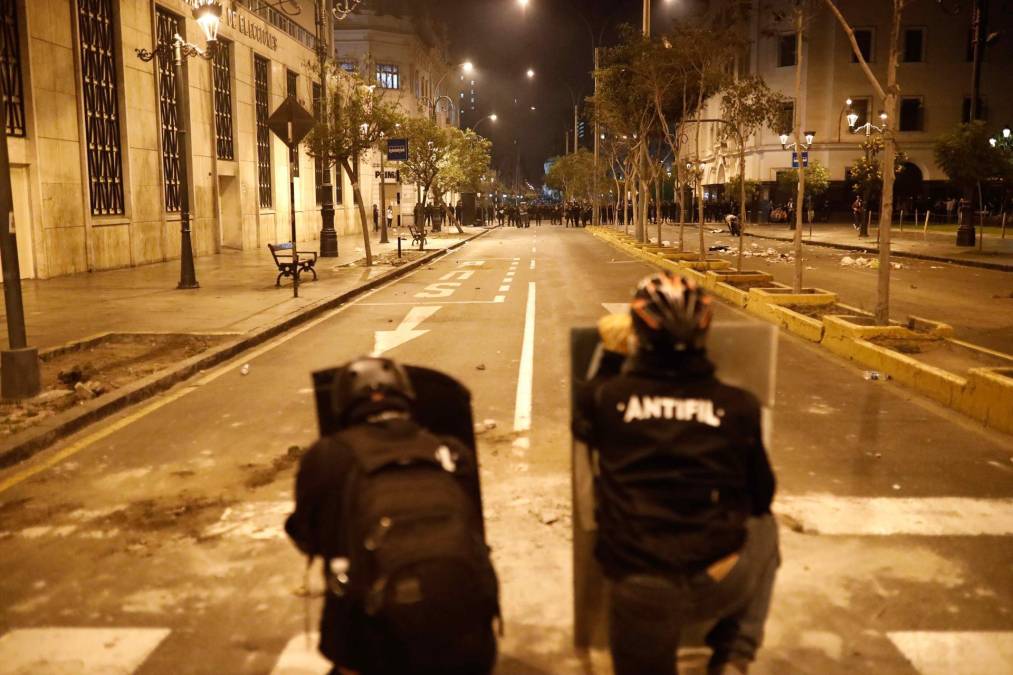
245, 370
480, 366
875, 375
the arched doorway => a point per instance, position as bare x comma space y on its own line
910, 183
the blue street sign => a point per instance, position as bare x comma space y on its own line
794, 160
397, 149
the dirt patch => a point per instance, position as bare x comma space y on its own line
261, 474
189, 513
816, 311
390, 258
75, 376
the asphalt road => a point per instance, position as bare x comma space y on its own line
152, 543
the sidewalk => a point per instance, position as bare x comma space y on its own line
236, 295
997, 253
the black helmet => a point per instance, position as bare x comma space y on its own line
369, 385
670, 313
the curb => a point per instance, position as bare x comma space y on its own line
29, 442
983, 394
1001, 267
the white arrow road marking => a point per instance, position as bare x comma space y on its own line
616, 307
300, 657
472, 263
918, 516
526, 370
387, 340
956, 652
83, 651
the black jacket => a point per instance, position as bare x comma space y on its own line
316, 525
681, 464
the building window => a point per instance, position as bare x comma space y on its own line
168, 25
965, 115
864, 38
350, 67
101, 106
388, 76
914, 45
221, 65
786, 50
860, 106
786, 118
11, 84
260, 68
292, 89
912, 113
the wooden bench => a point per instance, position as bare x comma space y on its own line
418, 233
284, 260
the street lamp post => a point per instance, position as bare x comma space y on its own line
466, 67
328, 235
491, 117
868, 129
208, 14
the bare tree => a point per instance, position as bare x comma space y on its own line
890, 95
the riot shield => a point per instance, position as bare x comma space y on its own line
443, 406
745, 354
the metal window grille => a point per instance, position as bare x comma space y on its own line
11, 84
260, 68
167, 26
291, 88
222, 68
101, 106
388, 76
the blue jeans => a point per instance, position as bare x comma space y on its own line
647, 613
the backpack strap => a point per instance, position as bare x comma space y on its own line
373, 454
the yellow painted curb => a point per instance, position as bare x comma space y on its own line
776, 296
988, 397
736, 296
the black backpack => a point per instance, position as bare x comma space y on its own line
418, 564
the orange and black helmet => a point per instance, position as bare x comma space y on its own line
670, 313
367, 385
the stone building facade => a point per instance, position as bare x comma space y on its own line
934, 75
92, 131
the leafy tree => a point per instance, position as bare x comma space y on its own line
465, 165
968, 159
817, 180
358, 116
429, 147
734, 188
573, 175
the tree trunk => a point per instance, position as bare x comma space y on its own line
699, 179
889, 173
354, 174
742, 197
657, 205
800, 198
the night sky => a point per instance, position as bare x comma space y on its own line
503, 41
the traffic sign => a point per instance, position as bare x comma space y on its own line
794, 160
291, 114
397, 149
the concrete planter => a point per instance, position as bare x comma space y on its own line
706, 265
734, 276
776, 305
988, 396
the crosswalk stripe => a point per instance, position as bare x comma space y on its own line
300, 657
82, 651
956, 652
878, 516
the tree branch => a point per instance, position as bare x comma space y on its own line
856, 49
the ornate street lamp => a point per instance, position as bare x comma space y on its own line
342, 8
868, 129
208, 14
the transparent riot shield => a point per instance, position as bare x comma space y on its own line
745, 353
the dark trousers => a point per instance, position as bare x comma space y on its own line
647, 613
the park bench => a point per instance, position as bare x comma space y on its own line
418, 233
284, 260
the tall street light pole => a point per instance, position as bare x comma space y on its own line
328, 235
208, 14
868, 129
